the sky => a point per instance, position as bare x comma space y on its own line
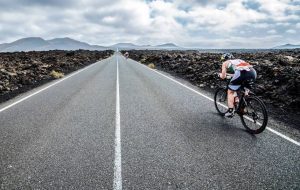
187, 23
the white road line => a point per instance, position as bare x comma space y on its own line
268, 128
118, 164
41, 90
283, 136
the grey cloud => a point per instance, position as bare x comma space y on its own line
13, 4
122, 20
106, 21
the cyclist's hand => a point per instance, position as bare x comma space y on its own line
229, 76
220, 75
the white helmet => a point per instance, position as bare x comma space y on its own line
226, 56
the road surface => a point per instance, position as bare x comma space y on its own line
119, 125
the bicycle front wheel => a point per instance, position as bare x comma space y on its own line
254, 115
221, 101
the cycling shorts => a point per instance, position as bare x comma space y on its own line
239, 77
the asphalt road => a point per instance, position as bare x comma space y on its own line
66, 137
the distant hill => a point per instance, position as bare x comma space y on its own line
168, 45
2, 46
27, 44
125, 46
70, 44
287, 46
39, 44
122, 45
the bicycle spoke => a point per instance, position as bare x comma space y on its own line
255, 116
221, 101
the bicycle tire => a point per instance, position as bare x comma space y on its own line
253, 114
223, 94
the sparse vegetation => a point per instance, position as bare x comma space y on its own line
151, 66
56, 74
22, 71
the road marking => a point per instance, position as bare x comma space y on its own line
41, 90
268, 128
283, 136
118, 163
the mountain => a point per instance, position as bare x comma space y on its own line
168, 45
2, 46
287, 46
66, 44
27, 44
127, 46
124, 45
39, 44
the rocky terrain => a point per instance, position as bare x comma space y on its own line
278, 81
21, 71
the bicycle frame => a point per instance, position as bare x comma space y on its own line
241, 93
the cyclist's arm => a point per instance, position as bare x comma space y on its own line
224, 69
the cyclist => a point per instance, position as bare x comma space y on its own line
241, 70
126, 55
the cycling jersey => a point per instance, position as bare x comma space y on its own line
242, 71
237, 64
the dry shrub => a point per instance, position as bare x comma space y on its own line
151, 66
56, 74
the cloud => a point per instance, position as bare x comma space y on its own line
291, 31
204, 23
223, 20
277, 9
272, 31
260, 25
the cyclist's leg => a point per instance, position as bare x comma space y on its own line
230, 100
233, 86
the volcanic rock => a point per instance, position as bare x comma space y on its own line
278, 71
21, 71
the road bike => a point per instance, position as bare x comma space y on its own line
250, 108
126, 55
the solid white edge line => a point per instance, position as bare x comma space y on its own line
41, 90
283, 136
268, 128
118, 164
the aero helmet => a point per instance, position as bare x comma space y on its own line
227, 56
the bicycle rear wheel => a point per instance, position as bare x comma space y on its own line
221, 101
254, 117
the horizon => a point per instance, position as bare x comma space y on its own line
217, 24
144, 45
89, 43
